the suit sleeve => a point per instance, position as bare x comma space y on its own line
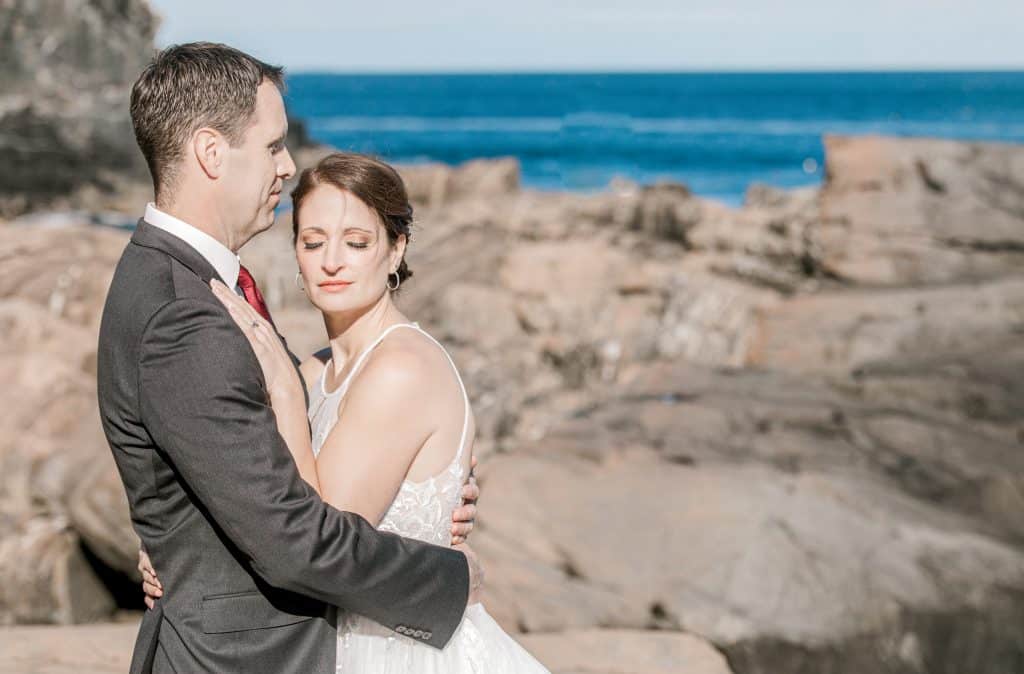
202, 398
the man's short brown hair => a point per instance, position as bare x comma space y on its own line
190, 86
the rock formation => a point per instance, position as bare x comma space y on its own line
696, 420
65, 73
780, 438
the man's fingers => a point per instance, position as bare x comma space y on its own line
458, 540
149, 602
466, 513
462, 529
470, 491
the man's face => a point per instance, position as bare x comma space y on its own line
256, 169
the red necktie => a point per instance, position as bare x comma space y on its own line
252, 294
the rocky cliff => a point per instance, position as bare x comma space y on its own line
65, 73
790, 431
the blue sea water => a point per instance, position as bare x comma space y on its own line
715, 132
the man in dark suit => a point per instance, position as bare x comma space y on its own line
254, 562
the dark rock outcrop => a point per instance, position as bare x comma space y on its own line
65, 73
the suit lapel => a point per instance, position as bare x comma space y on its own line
150, 236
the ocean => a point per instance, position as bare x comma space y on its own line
714, 132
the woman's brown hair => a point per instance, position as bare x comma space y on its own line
375, 183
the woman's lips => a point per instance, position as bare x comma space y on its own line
334, 286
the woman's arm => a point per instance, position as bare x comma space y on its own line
293, 425
384, 420
284, 387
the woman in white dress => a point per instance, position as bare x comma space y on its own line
387, 385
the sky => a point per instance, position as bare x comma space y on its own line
602, 35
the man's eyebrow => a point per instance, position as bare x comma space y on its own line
279, 140
313, 228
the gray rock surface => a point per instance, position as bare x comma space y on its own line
65, 73
897, 212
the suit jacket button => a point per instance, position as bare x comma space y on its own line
400, 629
427, 635
418, 633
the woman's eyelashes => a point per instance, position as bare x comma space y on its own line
313, 245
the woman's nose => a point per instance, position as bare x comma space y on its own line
333, 259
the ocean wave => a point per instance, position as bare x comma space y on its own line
679, 126
406, 124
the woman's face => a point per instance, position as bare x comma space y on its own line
343, 251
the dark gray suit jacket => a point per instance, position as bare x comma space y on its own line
252, 561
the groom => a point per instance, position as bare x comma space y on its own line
253, 560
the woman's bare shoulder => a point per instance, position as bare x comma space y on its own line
400, 359
408, 360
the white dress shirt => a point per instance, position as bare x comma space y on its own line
224, 262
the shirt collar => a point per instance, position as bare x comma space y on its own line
217, 254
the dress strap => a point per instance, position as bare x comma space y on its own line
359, 361
465, 396
380, 338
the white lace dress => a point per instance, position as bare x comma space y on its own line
421, 510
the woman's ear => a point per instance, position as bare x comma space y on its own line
398, 251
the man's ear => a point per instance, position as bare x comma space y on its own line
210, 150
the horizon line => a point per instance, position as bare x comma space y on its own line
838, 70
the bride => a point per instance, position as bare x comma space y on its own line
383, 384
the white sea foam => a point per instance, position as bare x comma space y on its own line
664, 126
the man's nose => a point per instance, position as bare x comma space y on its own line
286, 169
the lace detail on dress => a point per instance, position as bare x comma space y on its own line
423, 510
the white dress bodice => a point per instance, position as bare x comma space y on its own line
420, 510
